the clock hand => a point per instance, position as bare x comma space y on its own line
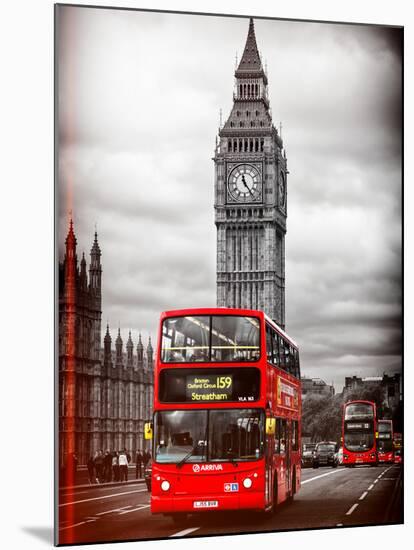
245, 184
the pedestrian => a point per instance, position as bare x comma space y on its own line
91, 470
99, 466
123, 466
115, 466
138, 467
108, 466
147, 456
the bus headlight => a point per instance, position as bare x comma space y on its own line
165, 485
247, 482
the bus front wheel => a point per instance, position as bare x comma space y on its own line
271, 511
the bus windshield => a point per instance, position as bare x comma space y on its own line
210, 338
359, 410
359, 442
208, 435
384, 427
326, 447
384, 445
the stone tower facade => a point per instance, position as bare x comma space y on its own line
251, 196
105, 395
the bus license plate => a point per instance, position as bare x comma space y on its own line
206, 504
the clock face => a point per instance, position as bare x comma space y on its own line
282, 189
244, 183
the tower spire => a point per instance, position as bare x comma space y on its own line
150, 353
140, 351
70, 238
118, 347
95, 269
130, 350
250, 61
107, 346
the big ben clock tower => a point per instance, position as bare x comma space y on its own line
250, 196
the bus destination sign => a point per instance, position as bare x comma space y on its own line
358, 425
206, 385
209, 387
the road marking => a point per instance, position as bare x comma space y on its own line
322, 475
370, 487
102, 497
185, 532
134, 509
351, 509
389, 478
339, 524
114, 510
76, 524
375, 481
363, 495
99, 487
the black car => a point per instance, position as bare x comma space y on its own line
307, 454
325, 454
147, 474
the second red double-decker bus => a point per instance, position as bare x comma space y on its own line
227, 409
359, 428
385, 446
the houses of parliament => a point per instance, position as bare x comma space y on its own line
105, 393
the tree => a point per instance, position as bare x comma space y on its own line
322, 415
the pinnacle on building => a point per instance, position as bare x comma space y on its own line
98, 389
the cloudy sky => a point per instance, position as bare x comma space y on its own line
139, 96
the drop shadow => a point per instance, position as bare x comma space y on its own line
45, 534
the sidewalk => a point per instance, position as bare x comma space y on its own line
82, 480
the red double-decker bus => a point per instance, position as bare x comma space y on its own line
227, 409
385, 446
359, 430
397, 447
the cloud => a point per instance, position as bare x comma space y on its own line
139, 96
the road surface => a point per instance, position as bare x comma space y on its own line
328, 497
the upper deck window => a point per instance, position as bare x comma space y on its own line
281, 353
206, 338
359, 410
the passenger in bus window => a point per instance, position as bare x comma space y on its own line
175, 357
199, 355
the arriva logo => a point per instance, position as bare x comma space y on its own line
207, 467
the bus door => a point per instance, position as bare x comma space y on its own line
288, 455
284, 453
270, 447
